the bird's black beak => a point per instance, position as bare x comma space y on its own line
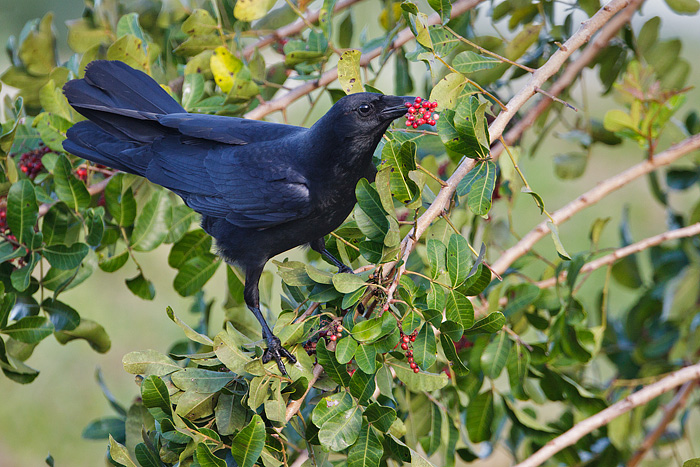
395, 106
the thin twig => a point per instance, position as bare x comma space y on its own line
592, 196
669, 413
556, 99
488, 52
602, 418
689, 231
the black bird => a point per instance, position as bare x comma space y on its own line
262, 188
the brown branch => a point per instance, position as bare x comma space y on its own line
542, 74
280, 103
689, 231
592, 196
602, 418
571, 72
294, 28
669, 413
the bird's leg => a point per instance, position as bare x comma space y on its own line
251, 294
320, 246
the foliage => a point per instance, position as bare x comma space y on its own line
492, 356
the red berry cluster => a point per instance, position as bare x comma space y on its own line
82, 172
405, 339
338, 333
30, 162
421, 112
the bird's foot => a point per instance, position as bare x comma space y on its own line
345, 269
275, 352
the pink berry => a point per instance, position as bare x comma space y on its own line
407, 104
404, 346
333, 337
431, 122
416, 370
436, 116
413, 365
408, 123
410, 118
411, 110
415, 125
419, 100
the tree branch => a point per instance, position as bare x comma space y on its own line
458, 8
578, 431
592, 196
555, 62
689, 231
571, 72
669, 413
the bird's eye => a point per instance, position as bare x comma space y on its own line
364, 110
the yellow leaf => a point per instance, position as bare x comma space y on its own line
349, 71
389, 23
224, 66
250, 10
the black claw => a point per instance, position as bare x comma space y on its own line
345, 269
275, 352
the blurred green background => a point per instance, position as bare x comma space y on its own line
48, 415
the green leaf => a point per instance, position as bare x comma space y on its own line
443, 8
479, 198
418, 382
88, 330
330, 406
66, 257
476, 283
115, 262
425, 347
120, 201
480, 414
684, 7
571, 165
227, 346
102, 428
371, 217
345, 349
368, 330
362, 386
62, 316
130, 50
155, 397
152, 223
248, 444
21, 278
526, 419
69, 189
470, 124
401, 160
458, 259
30, 329
561, 251
250, 10
692, 462
366, 358
149, 362
436, 251
459, 309
349, 72
380, 416
205, 458
445, 93
368, 450
189, 332
201, 380
22, 211
341, 430
347, 283
327, 360
448, 347
469, 62
141, 287
517, 47
195, 273
119, 453
495, 356
489, 324
465, 185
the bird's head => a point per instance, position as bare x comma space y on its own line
364, 115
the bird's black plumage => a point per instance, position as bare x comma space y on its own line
262, 188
